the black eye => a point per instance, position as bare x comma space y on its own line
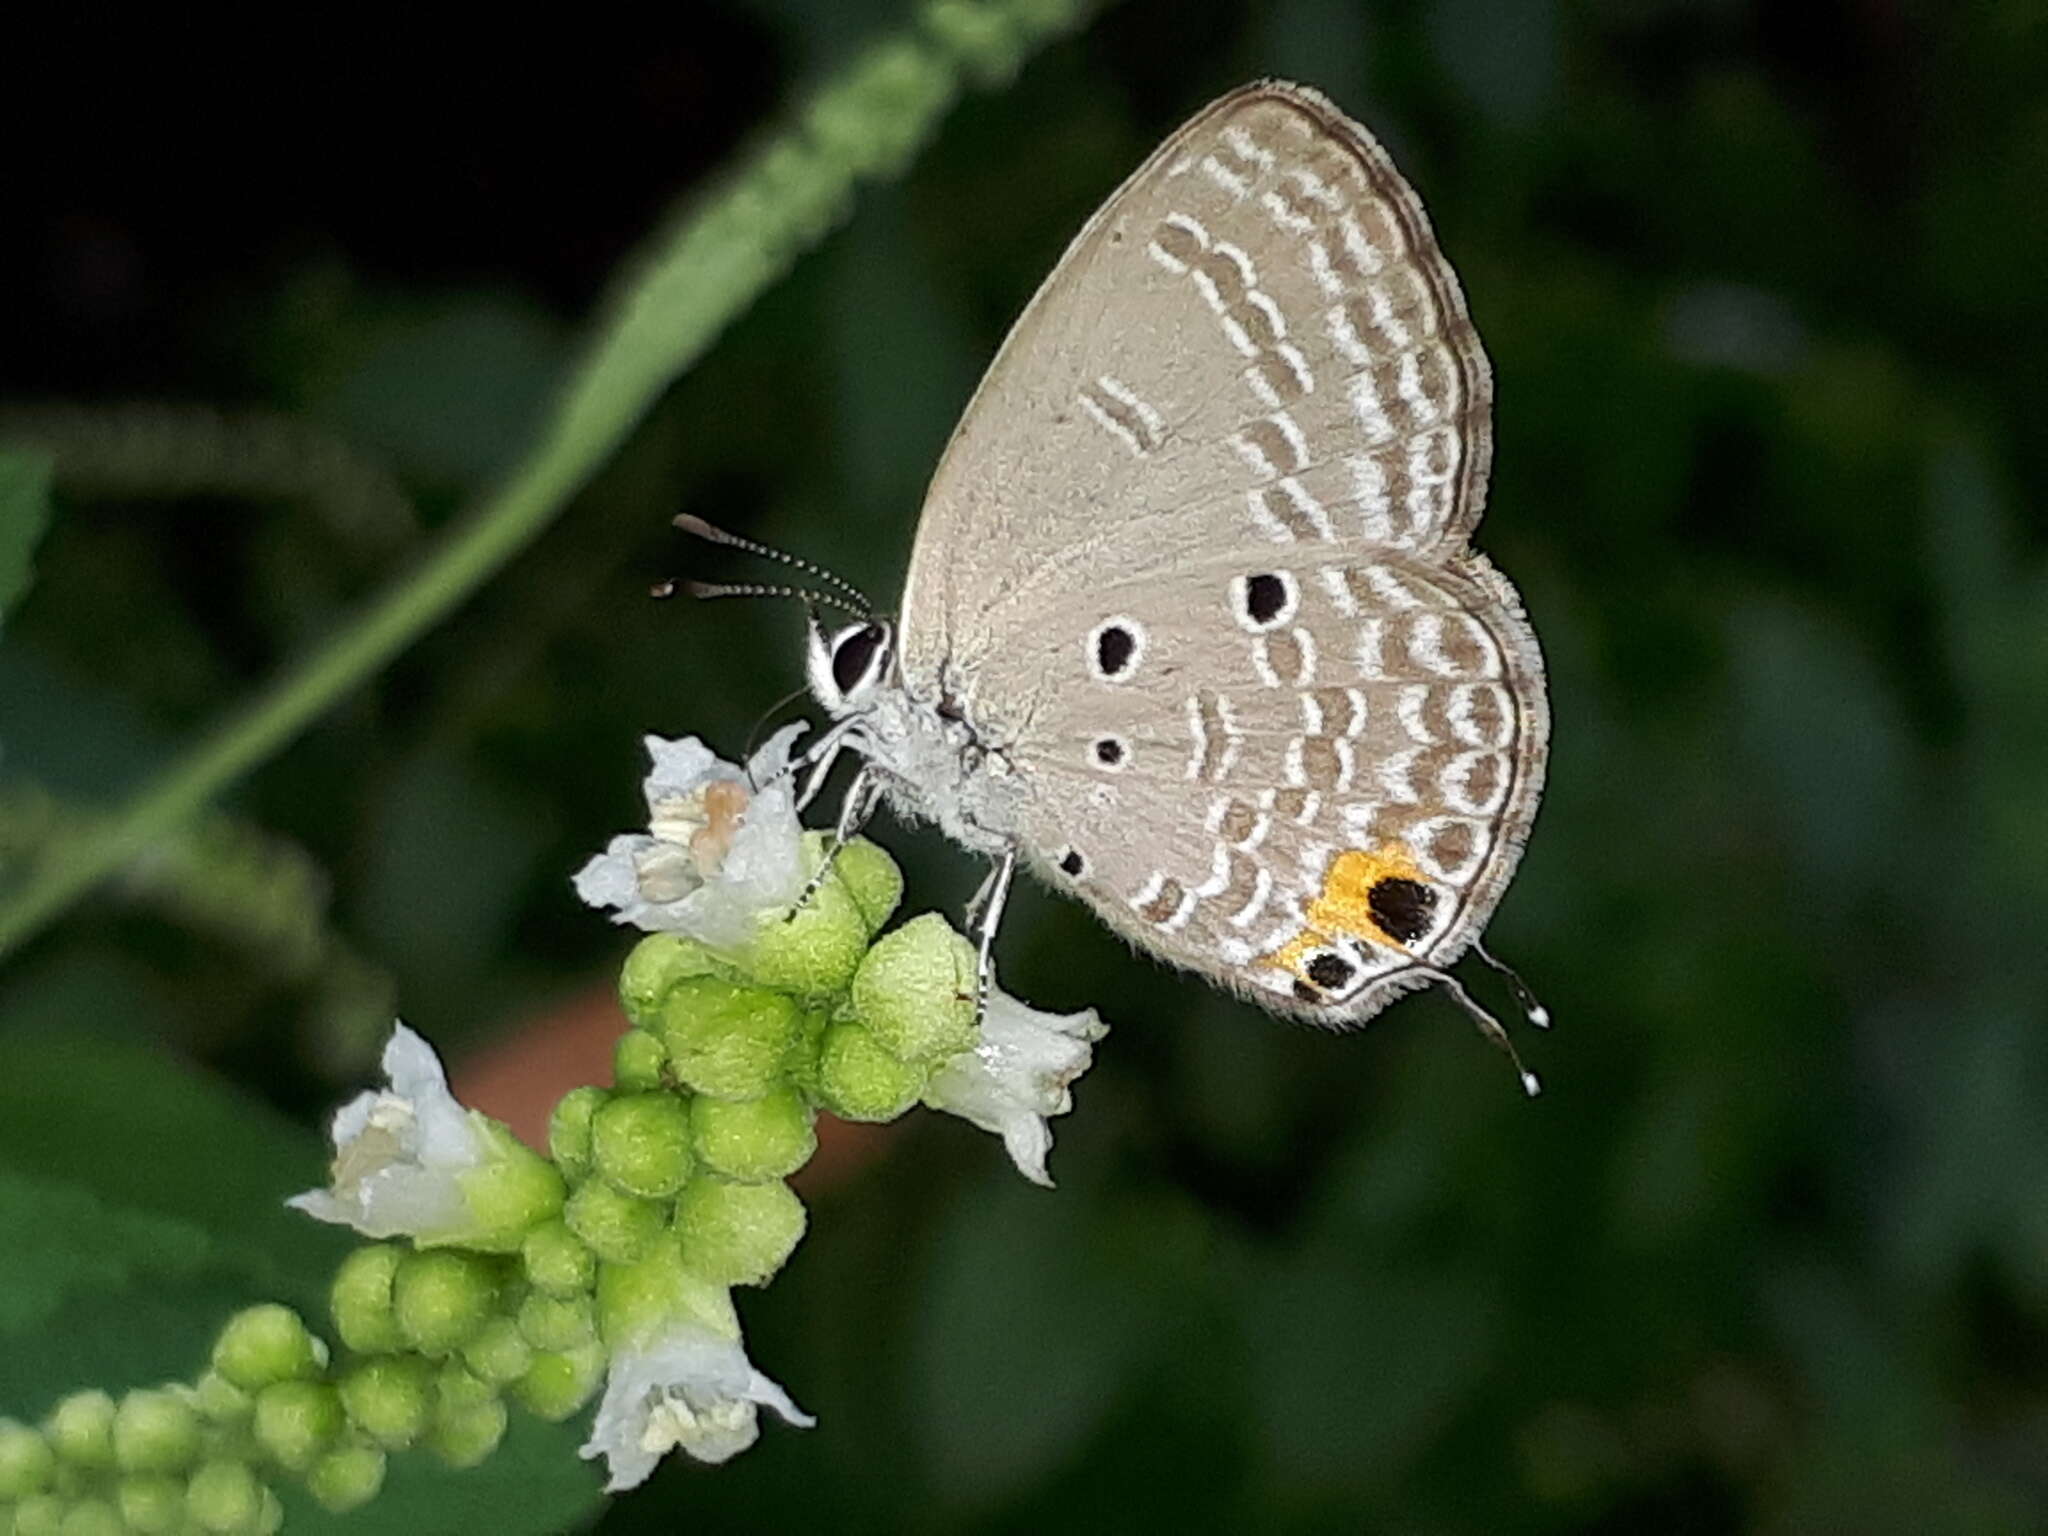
853, 653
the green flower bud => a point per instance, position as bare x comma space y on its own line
360, 1300
40, 1514
641, 1143
347, 1478
656, 964
753, 1140
557, 1323
561, 1382
915, 991
270, 1518
638, 1061
220, 1401
155, 1432
618, 1227
801, 1067
224, 1496
27, 1462
725, 1040
499, 1353
268, 1343
557, 1260
569, 1129
872, 879
469, 1419
738, 1234
151, 1503
859, 1080
636, 1301
81, 1430
296, 1422
441, 1297
508, 1192
387, 1398
92, 1517
810, 951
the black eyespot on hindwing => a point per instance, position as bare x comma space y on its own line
1330, 972
1109, 752
853, 654
1264, 596
1071, 863
1401, 907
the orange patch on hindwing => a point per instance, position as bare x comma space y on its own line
1345, 904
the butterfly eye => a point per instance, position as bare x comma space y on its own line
853, 655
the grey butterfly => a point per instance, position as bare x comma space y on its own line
1192, 626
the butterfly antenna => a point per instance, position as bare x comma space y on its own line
1538, 1014
692, 524
710, 589
1489, 1026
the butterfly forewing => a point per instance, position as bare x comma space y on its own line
1255, 343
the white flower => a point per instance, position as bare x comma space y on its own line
409, 1161
689, 1388
719, 851
1022, 1072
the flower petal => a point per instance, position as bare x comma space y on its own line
1020, 1072
689, 1389
715, 890
400, 1152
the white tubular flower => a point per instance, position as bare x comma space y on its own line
690, 1389
1022, 1072
409, 1161
717, 853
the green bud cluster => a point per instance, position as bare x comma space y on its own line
185, 1457
658, 1193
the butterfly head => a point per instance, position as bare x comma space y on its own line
847, 667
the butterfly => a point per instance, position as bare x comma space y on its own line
1193, 627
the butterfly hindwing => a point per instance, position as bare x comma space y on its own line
1306, 780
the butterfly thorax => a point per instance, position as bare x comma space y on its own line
933, 760
936, 767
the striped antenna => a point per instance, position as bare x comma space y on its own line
710, 589
692, 524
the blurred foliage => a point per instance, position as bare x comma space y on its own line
1762, 287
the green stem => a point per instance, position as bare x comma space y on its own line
783, 198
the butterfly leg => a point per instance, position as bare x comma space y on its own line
985, 916
816, 762
862, 795
1489, 1026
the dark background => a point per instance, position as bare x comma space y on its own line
1763, 285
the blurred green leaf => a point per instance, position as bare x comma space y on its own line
1825, 743
24, 514
143, 1132
1025, 1341
1357, 1368
64, 1244
451, 393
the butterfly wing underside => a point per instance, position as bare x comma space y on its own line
1232, 454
